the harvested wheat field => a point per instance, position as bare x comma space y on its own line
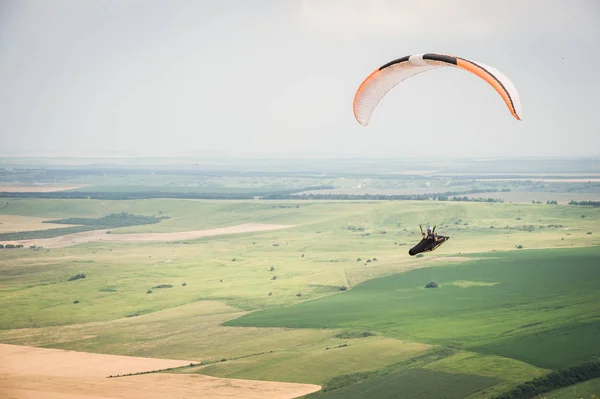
101, 235
29, 372
12, 223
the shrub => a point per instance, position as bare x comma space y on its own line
183, 284
354, 334
432, 284
519, 246
76, 301
149, 292
163, 286
77, 277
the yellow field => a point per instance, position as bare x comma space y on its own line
27, 372
14, 223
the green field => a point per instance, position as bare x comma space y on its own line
334, 300
414, 383
583, 390
538, 298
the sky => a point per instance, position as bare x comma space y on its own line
277, 78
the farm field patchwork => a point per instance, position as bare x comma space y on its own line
332, 295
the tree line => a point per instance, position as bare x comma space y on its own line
585, 203
444, 196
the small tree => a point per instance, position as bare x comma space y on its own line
432, 284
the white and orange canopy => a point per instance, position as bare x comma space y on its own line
384, 78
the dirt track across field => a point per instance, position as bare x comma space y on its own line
29, 372
101, 235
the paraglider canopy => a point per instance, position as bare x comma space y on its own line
384, 78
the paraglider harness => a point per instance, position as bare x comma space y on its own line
429, 242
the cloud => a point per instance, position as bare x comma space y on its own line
473, 20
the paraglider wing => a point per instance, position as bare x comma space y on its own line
386, 77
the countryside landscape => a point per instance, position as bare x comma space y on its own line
305, 199
291, 278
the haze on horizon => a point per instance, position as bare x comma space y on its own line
277, 78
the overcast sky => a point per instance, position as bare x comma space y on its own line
277, 78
